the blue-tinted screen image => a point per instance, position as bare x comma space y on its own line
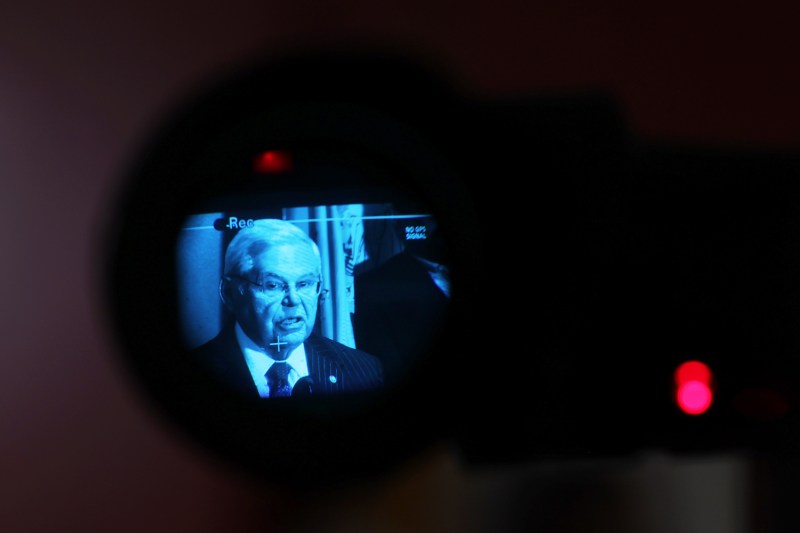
311, 300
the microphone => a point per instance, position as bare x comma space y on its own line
303, 387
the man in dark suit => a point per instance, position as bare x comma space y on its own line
272, 284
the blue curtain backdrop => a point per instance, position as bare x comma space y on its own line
200, 257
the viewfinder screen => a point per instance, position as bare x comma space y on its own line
311, 300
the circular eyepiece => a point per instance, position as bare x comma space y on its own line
289, 265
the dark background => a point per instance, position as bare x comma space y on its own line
82, 84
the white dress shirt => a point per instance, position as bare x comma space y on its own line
259, 362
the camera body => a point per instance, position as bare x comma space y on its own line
585, 266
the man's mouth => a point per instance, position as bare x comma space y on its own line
290, 322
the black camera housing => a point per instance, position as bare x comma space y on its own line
586, 266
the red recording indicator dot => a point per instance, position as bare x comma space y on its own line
693, 392
273, 162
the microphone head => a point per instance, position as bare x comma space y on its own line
303, 387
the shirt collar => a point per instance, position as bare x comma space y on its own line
258, 361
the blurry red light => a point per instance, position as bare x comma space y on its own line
692, 371
694, 397
693, 392
273, 162
762, 403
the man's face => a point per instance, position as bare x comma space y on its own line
279, 309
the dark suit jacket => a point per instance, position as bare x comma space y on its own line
398, 311
332, 366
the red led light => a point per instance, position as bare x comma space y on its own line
693, 392
692, 371
694, 397
273, 162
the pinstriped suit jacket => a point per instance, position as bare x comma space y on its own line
332, 366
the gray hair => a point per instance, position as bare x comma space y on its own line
250, 242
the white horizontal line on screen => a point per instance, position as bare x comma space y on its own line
334, 219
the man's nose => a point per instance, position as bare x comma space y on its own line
291, 298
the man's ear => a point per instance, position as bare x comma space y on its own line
226, 292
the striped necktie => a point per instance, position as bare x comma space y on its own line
277, 378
